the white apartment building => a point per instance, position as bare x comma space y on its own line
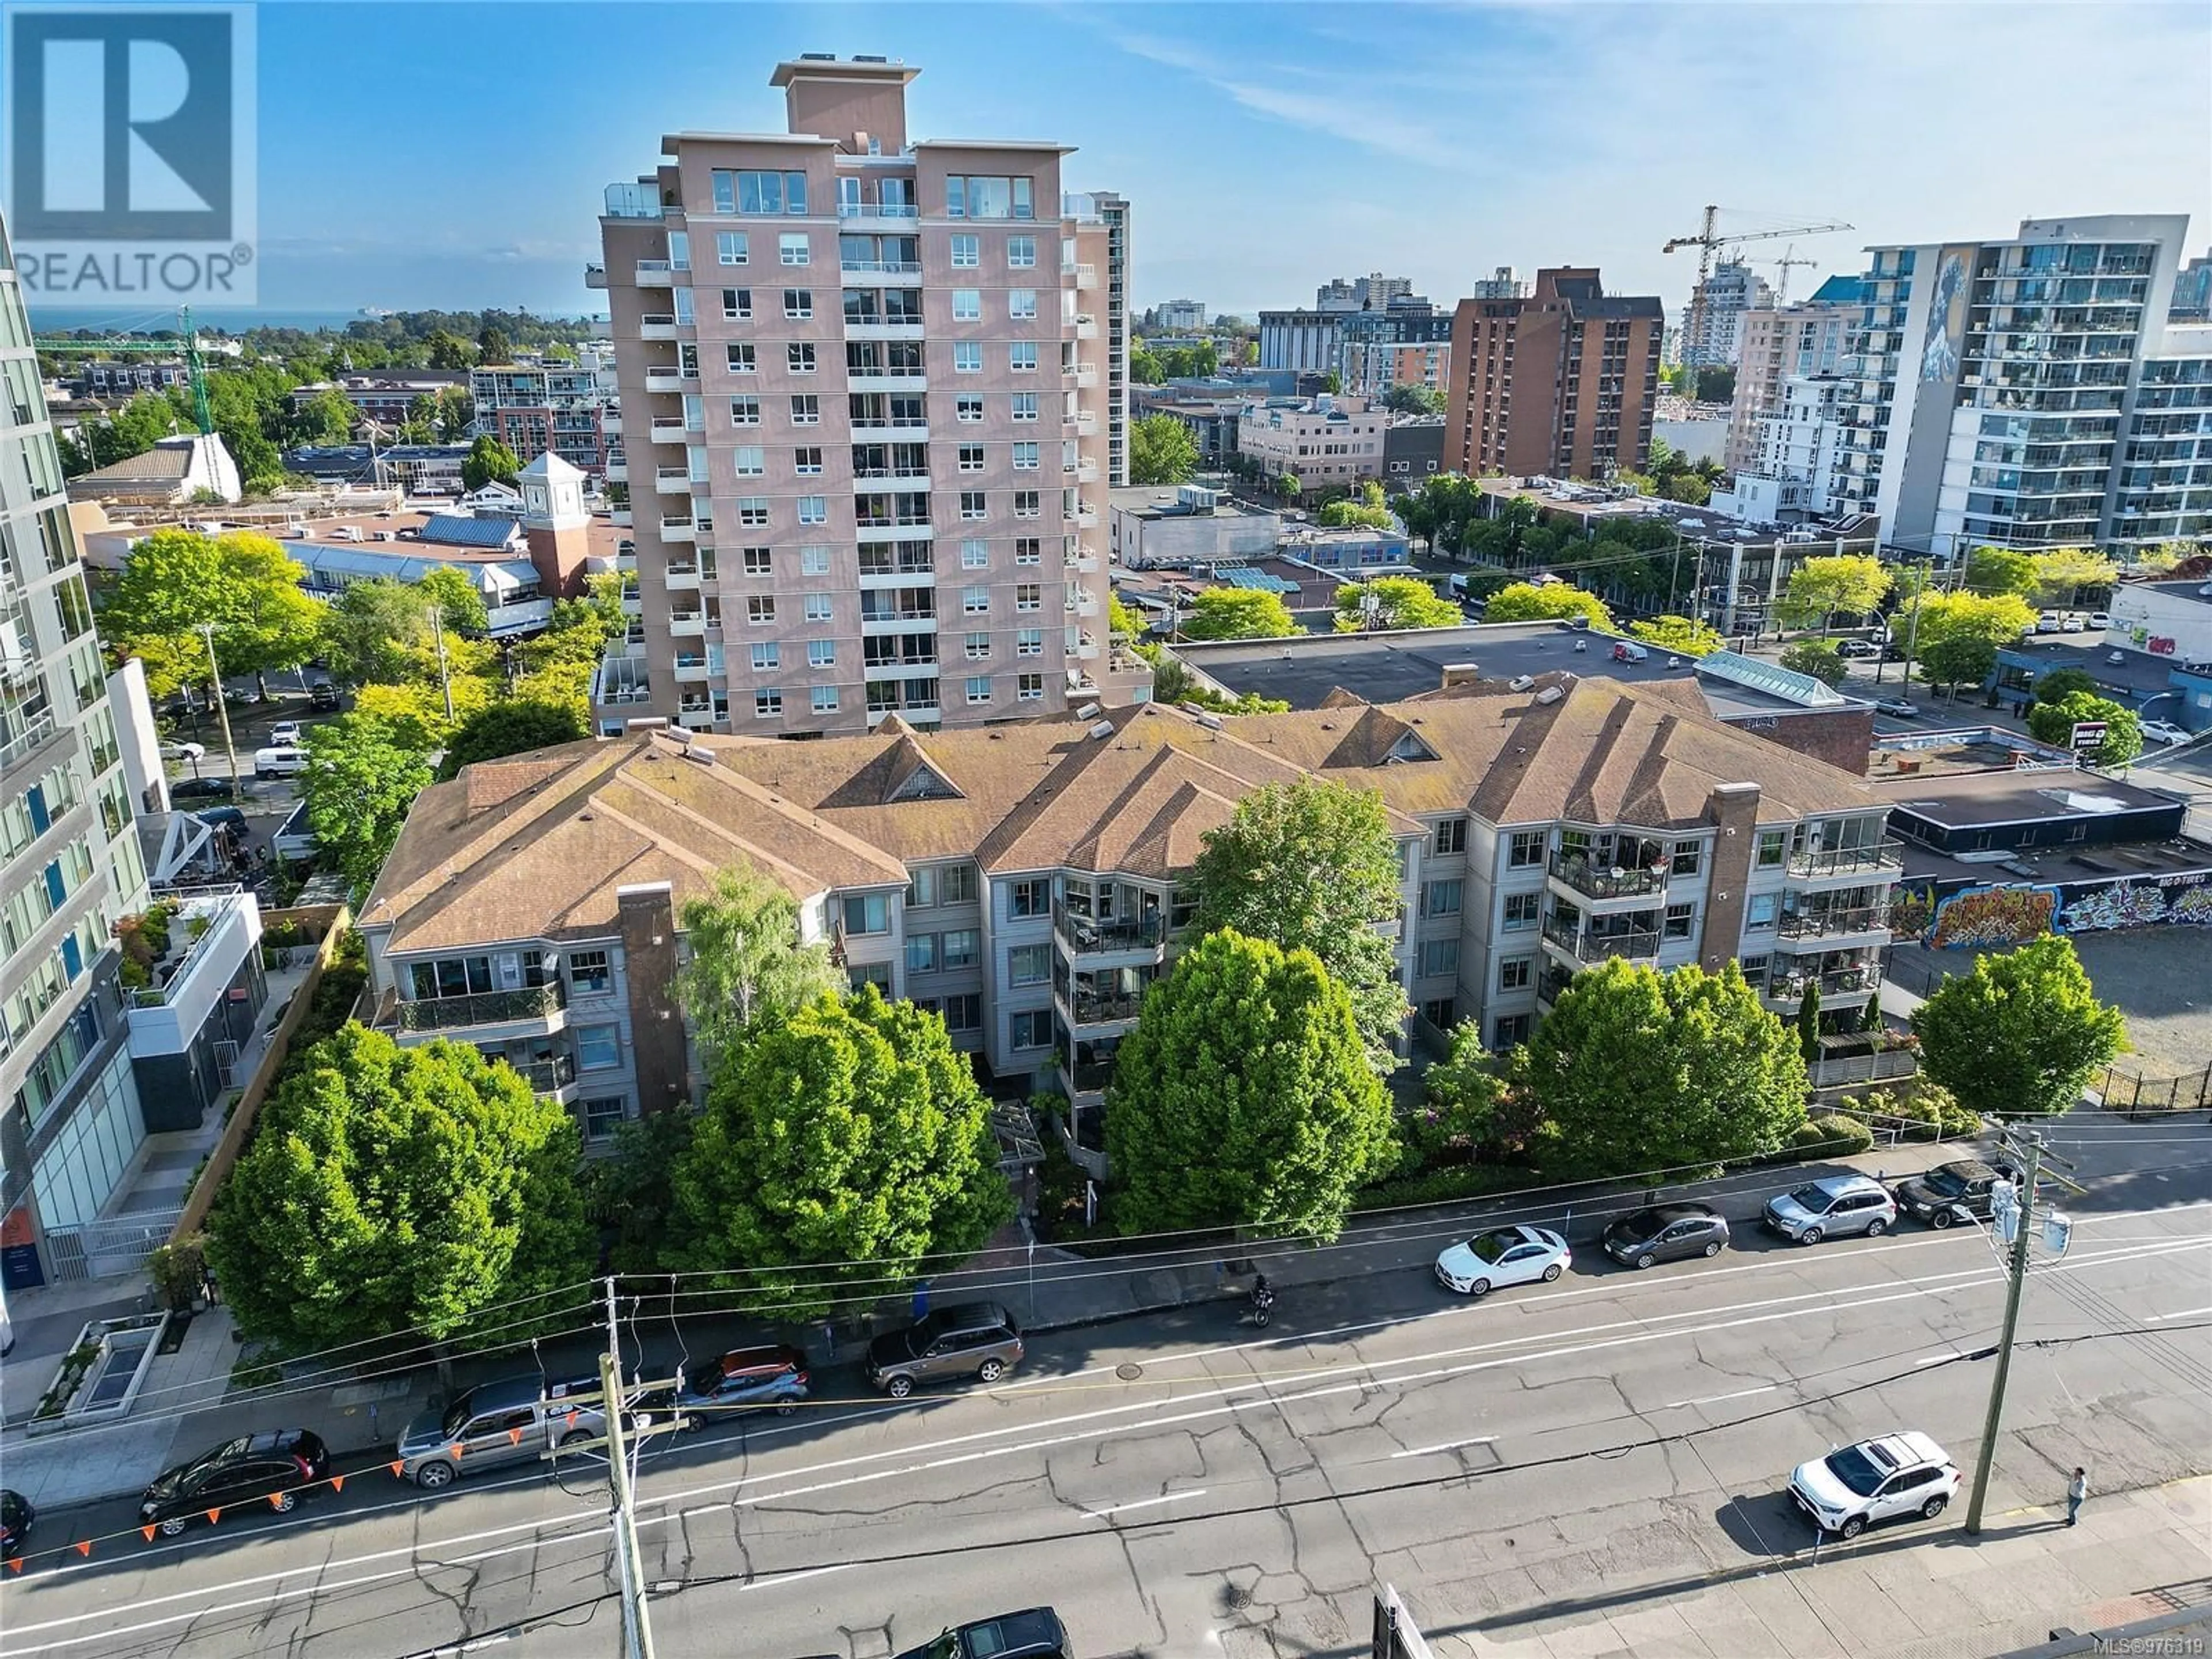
1813, 337
1999, 384
867, 405
1715, 334
1323, 441
1793, 469
561, 408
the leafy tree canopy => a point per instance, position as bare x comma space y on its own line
1410, 399
362, 775
1161, 451
2054, 722
747, 965
2024, 1032
1396, 602
1679, 635
2063, 574
1840, 585
2061, 683
1552, 602
1992, 570
1367, 511
1819, 658
489, 461
460, 602
175, 579
1237, 613
512, 727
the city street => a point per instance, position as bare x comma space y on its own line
1600, 1448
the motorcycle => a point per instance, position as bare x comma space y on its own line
1263, 1303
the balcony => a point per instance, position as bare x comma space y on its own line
669, 379
894, 432
1084, 559
657, 327
1079, 420
1833, 921
1081, 1008
881, 267
618, 470
655, 273
1829, 863
691, 668
681, 576
1086, 276
621, 517
668, 432
166, 1014
913, 712
1086, 471
672, 480
1553, 980
1082, 373
546, 1077
1086, 514
870, 532
536, 1004
679, 530
595, 277
1593, 946
1089, 936
877, 210
1606, 882
878, 329
1854, 980
689, 624
860, 382
1086, 328
862, 473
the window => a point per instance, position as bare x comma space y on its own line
955, 883
1021, 356
967, 305
1032, 1029
798, 356
963, 1013
760, 609
1521, 911
1517, 973
979, 689
977, 647
806, 410
589, 973
967, 408
1444, 897
967, 358
757, 561
1029, 642
737, 304
739, 355
814, 509
1685, 856
1028, 595
1762, 910
1526, 851
765, 656
1442, 1013
967, 251
988, 196
971, 458
760, 192
745, 411
818, 607
922, 953
767, 704
877, 974
1021, 303
1030, 688
975, 553
603, 1117
1029, 965
799, 303
1025, 406
1450, 837
1511, 1031
960, 948
749, 460
1755, 970
598, 1047
1028, 504
1025, 457
1021, 252
792, 248
973, 504
1032, 897
822, 653
1439, 956
807, 462
868, 913
752, 511
1026, 550
813, 561
1680, 919
1773, 847
730, 250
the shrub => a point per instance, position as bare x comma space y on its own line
175, 1271
1439, 1186
1831, 1135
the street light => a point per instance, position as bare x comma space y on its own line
222, 709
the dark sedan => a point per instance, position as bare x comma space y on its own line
1033, 1633
220, 789
256, 1468
15, 1517
1665, 1232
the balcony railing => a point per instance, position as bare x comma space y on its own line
877, 210
543, 1076
483, 1008
1089, 934
883, 267
1097, 1008
1553, 980
1585, 946
1841, 919
1606, 881
1837, 982
1849, 861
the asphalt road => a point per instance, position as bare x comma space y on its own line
1181, 1484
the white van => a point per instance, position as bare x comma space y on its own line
284, 761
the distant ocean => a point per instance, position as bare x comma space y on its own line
65, 320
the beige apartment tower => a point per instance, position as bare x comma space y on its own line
868, 390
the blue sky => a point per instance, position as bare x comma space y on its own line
453, 154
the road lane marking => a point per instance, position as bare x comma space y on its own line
1449, 1446
1143, 1503
1947, 1355
2186, 1313
1716, 1399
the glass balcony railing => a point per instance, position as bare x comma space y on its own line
1090, 934
1586, 944
1596, 878
1849, 861
483, 1008
1836, 982
1841, 919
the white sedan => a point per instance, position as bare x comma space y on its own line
1510, 1255
2164, 732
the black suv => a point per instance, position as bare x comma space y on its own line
1953, 1192
255, 1468
1032, 1633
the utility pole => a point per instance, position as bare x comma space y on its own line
445, 684
222, 710
2024, 1217
637, 1635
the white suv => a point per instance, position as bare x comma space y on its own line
1877, 1480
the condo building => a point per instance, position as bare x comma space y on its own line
1780, 343
1712, 332
868, 392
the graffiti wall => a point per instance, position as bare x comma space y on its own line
1983, 916
2185, 899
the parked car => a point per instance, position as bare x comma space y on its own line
1952, 1192
2163, 732
15, 1517
2099, 620
1896, 707
2049, 622
967, 1339
270, 1468
1858, 648
1839, 1206
1033, 1633
288, 734
1878, 1479
280, 760
496, 1424
743, 1379
2070, 622
323, 696
1509, 1256
224, 789
183, 752
1665, 1232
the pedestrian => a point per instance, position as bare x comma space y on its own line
209, 1291
2077, 1493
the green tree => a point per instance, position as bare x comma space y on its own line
1145, 367
445, 350
493, 346
2061, 684
389, 1189
1410, 399
2062, 574
267, 623
1461, 1097
1366, 511
1288, 486
1715, 383
174, 580
1635, 1070
1398, 602
1313, 866
1161, 451
1243, 1097
2054, 722
2024, 1032
1822, 589
459, 601
1956, 661
747, 967
1679, 635
1992, 570
512, 727
1808, 1019
843, 1148
373, 632
361, 777
632, 1191
1237, 613
325, 418
1553, 602
1957, 636
488, 461
1819, 658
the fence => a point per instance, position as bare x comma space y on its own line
1883, 1068
111, 1247
2143, 1096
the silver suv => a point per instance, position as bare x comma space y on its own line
971, 1338
498, 1423
1833, 1208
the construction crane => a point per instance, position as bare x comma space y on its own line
128, 344
1708, 238
1782, 264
